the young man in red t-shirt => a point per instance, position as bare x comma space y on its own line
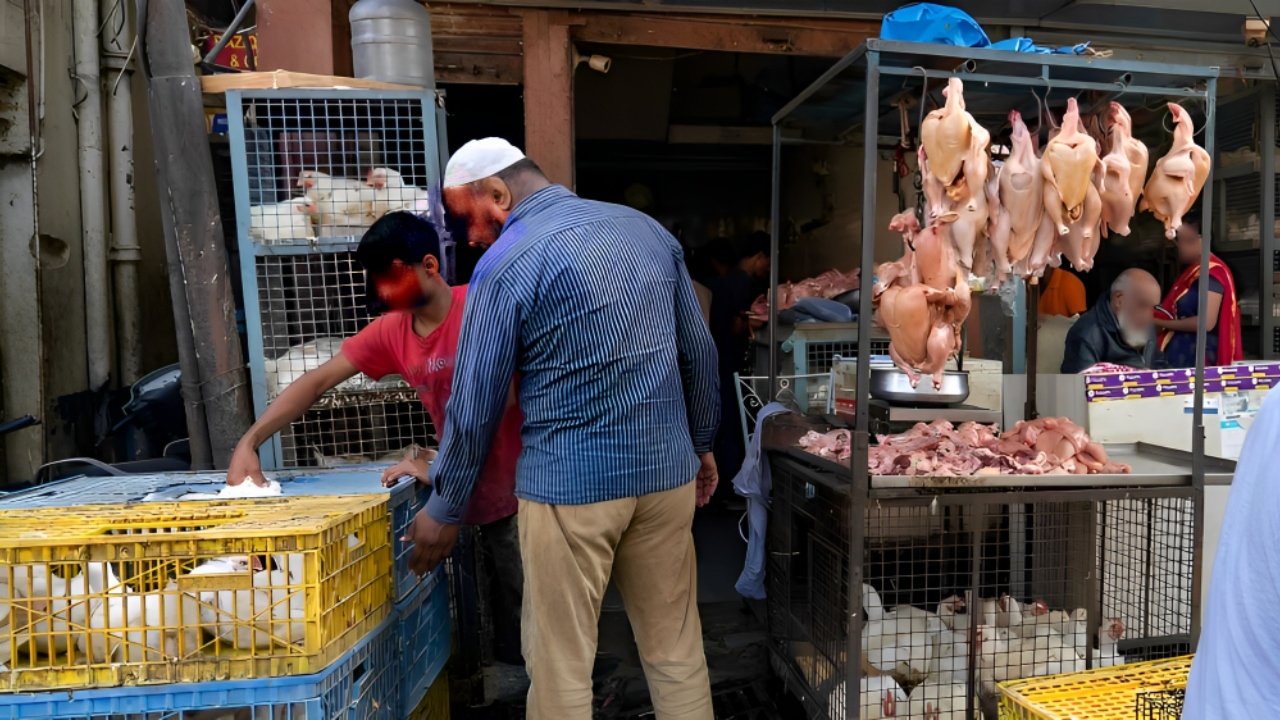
416, 338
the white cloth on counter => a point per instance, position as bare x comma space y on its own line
246, 489
1238, 660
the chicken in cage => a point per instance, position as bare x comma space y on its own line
960, 595
329, 168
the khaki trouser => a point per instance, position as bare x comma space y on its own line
570, 552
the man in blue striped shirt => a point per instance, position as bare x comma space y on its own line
591, 306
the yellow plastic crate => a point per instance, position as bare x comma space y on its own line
1099, 694
103, 596
435, 704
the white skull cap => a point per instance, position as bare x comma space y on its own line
480, 159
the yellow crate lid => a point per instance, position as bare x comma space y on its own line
1098, 694
186, 521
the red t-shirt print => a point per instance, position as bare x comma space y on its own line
390, 346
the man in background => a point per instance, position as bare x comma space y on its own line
731, 298
592, 305
1119, 329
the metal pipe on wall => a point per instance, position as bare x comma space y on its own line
93, 215
126, 254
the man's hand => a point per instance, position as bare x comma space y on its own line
708, 478
245, 464
432, 542
417, 469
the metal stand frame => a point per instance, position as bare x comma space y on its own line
844, 106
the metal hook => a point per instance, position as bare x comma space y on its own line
1039, 112
924, 94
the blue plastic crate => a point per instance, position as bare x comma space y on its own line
424, 638
364, 685
406, 498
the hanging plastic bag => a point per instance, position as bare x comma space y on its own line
929, 23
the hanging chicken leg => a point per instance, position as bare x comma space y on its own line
1178, 177
933, 189
998, 228
1067, 166
1081, 242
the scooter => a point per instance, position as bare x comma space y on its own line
154, 411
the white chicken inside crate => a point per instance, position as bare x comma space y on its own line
52, 614
332, 206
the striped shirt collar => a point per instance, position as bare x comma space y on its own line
534, 203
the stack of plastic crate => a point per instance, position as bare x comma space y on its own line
1146, 690
397, 646
312, 170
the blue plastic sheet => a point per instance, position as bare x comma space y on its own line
929, 23
1027, 45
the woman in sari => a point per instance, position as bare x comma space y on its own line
1177, 315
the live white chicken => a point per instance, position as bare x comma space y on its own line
390, 193
339, 201
288, 220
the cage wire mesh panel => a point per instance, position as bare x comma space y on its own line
961, 592
313, 170
353, 155
1147, 553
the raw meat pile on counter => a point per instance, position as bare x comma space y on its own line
928, 652
1045, 446
333, 202
989, 219
829, 284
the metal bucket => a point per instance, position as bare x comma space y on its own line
892, 385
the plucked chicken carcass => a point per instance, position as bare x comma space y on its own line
1068, 164
922, 300
1021, 194
1124, 168
947, 134
954, 166
1178, 177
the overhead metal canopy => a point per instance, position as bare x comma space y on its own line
1190, 19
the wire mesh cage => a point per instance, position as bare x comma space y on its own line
313, 169
328, 163
964, 590
1159, 705
357, 427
